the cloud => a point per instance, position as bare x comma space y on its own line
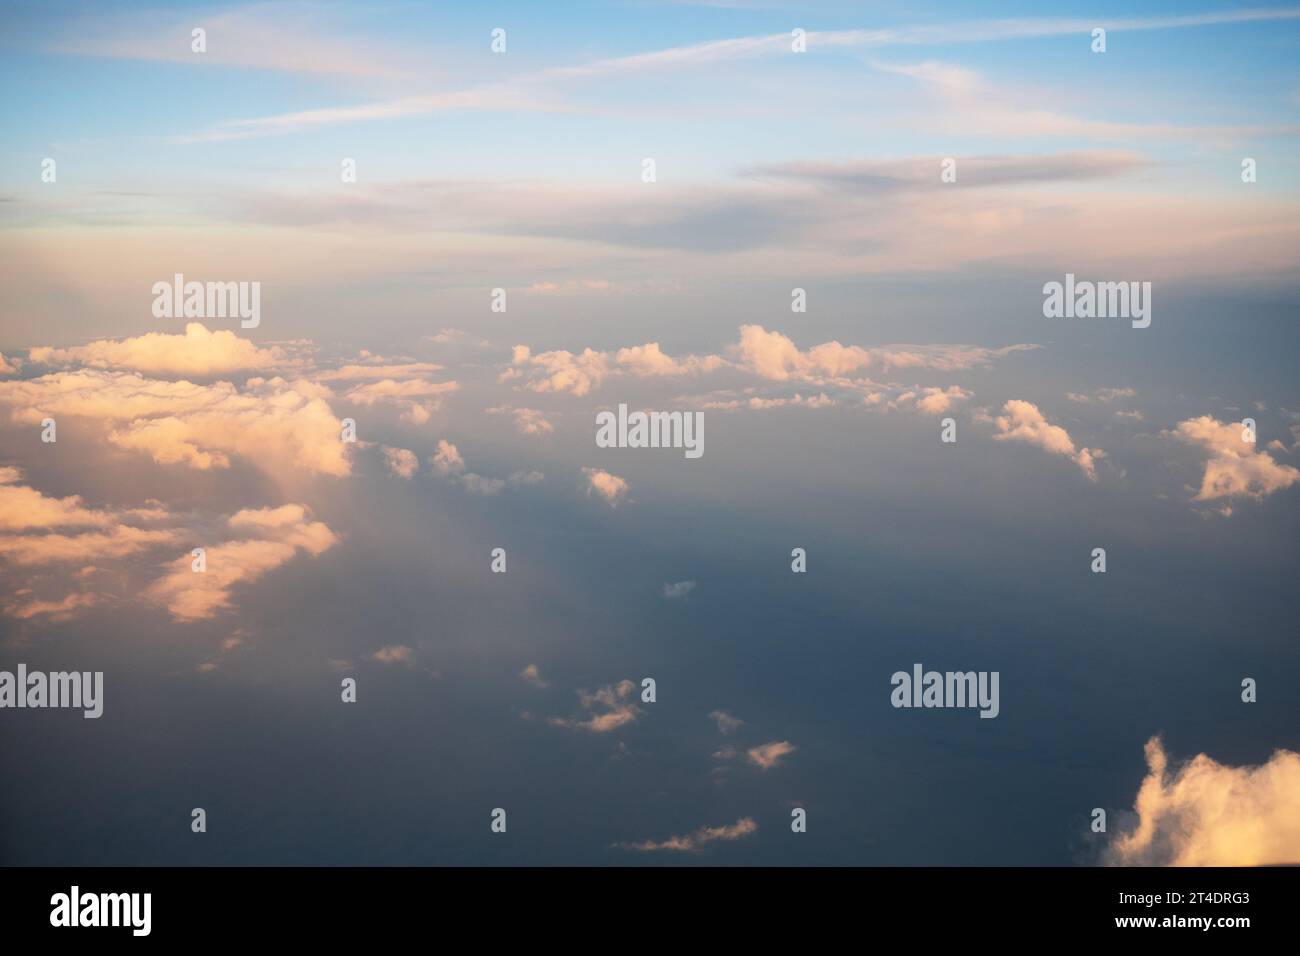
610, 487
528, 421
8, 367
876, 177
394, 654
1234, 468
401, 462
1205, 813
275, 425
447, 459
195, 352
678, 590
273, 536
54, 611
1103, 395
727, 724
611, 707
417, 398
533, 675
1022, 421
766, 756
580, 373
697, 839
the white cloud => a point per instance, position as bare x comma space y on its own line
401, 462
195, 352
610, 487
678, 590
1022, 421
1234, 468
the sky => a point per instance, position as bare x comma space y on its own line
828, 232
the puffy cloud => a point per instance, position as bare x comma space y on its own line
22, 507
449, 462
580, 373
274, 537
1205, 813
394, 654
766, 756
528, 421
8, 367
727, 724
773, 355
696, 839
272, 423
447, 459
1234, 468
678, 589
196, 352
533, 675
401, 462
417, 398
610, 487
1022, 421
611, 708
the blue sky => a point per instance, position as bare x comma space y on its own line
523, 172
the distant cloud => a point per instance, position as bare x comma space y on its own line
196, 352
394, 654
611, 707
401, 462
1234, 468
678, 590
1022, 421
1205, 813
693, 841
727, 724
533, 675
528, 421
276, 425
766, 756
270, 538
610, 487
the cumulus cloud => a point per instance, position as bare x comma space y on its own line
610, 707
401, 462
696, 839
580, 373
610, 487
528, 421
1205, 813
274, 424
1022, 421
678, 590
417, 398
1234, 468
727, 724
766, 756
8, 367
533, 675
773, 355
195, 352
271, 538
449, 463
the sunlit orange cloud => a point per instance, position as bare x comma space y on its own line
1205, 813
